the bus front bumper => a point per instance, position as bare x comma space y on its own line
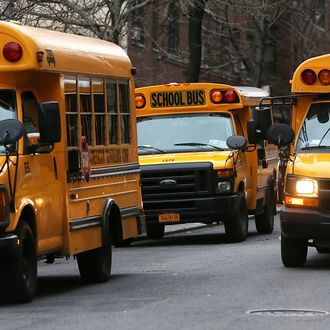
8, 246
206, 210
303, 223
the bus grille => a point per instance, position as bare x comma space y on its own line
324, 194
176, 182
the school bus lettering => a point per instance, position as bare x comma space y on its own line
194, 174
70, 178
177, 99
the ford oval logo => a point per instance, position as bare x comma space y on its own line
168, 182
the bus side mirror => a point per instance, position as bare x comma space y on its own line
237, 142
263, 120
49, 122
280, 134
253, 134
11, 130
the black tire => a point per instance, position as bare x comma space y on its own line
155, 230
95, 265
237, 227
124, 243
293, 251
19, 276
265, 220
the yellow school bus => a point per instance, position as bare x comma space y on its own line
196, 164
305, 216
69, 172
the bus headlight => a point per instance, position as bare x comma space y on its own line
301, 191
224, 186
307, 187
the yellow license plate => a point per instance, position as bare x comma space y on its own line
169, 217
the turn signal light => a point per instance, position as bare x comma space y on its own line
140, 101
216, 96
324, 77
308, 76
301, 201
12, 51
3, 207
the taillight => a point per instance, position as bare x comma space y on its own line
140, 101
308, 76
221, 96
12, 51
324, 77
231, 96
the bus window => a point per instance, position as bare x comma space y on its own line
124, 112
99, 109
30, 112
112, 111
71, 106
86, 109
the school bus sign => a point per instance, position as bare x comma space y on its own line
177, 98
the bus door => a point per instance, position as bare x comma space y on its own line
41, 176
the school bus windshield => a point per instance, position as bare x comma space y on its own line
182, 133
315, 131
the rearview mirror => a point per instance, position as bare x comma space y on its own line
263, 120
11, 130
237, 142
49, 123
280, 134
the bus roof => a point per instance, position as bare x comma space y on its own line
317, 64
62, 52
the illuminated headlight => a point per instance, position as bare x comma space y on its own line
224, 186
307, 187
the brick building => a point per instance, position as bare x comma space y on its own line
158, 42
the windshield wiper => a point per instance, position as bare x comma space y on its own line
197, 144
146, 147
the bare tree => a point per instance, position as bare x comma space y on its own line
104, 19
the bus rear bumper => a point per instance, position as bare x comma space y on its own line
8, 247
206, 210
305, 223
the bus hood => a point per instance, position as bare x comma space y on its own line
217, 158
311, 165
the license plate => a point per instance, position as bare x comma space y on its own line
169, 217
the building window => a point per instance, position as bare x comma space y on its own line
173, 27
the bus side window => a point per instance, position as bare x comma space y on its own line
30, 117
238, 125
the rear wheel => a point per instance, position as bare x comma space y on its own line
19, 276
95, 265
237, 227
265, 220
155, 230
293, 251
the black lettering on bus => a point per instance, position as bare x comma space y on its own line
159, 102
201, 97
154, 100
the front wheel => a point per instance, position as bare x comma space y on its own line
95, 265
265, 220
19, 276
293, 251
237, 227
